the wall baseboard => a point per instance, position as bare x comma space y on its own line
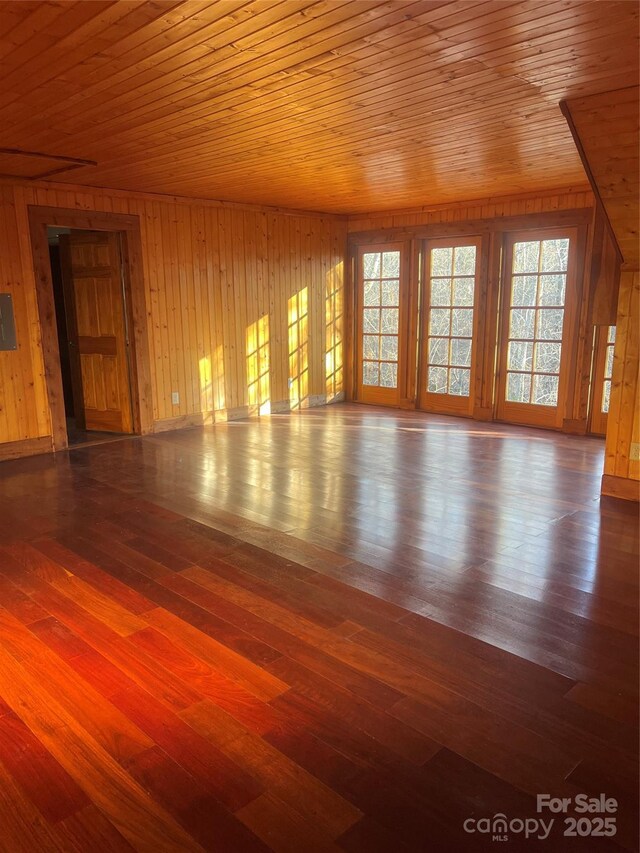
28, 447
620, 487
183, 422
281, 407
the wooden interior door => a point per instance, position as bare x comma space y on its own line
538, 319
381, 323
94, 304
448, 341
605, 340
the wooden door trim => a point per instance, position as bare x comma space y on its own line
72, 335
135, 306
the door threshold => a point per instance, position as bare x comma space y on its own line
99, 439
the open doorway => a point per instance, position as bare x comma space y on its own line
86, 273
92, 314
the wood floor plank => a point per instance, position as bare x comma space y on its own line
47, 784
282, 828
313, 800
90, 830
23, 827
141, 821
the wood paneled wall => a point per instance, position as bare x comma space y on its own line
244, 306
621, 466
570, 198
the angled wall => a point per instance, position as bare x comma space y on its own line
606, 132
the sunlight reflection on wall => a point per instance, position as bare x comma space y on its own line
334, 314
258, 355
298, 327
206, 385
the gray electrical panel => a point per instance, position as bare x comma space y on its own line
7, 323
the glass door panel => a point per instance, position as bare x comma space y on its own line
380, 271
605, 340
534, 329
447, 341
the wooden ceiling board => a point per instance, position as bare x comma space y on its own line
607, 130
335, 105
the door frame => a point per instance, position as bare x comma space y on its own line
128, 226
379, 395
446, 404
530, 414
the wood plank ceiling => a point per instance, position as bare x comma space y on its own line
608, 130
336, 105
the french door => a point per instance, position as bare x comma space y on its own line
539, 297
380, 324
448, 357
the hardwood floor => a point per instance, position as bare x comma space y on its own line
350, 629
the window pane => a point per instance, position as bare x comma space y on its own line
548, 358
463, 291
438, 350
552, 289
518, 387
439, 321
522, 323
438, 380
390, 292
606, 396
611, 337
524, 290
459, 381
462, 325
441, 261
389, 348
461, 352
388, 375
390, 320
371, 346
550, 322
371, 265
520, 356
370, 373
380, 317
371, 293
536, 318
441, 291
545, 390
525, 256
608, 370
464, 260
371, 320
390, 264
555, 255
452, 283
